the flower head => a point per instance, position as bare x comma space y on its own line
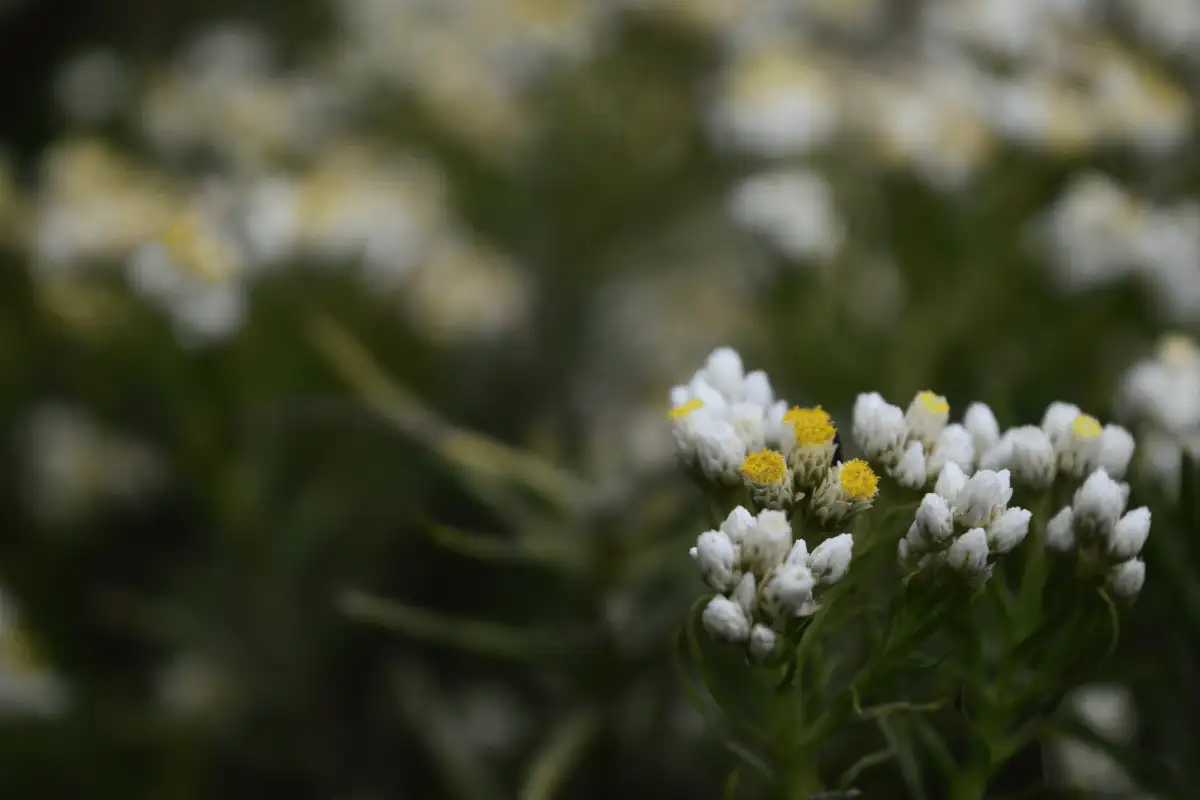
812, 426
766, 467
879, 428
1126, 578
927, 414
858, 480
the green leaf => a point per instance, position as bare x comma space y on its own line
563, 749
471, 635
712, 714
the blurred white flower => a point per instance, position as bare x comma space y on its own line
794, 209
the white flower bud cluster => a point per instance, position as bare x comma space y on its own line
1162, 394
1106, 536
763, 577
914, 445
964, 523
729, 427
1068, 442
720, 416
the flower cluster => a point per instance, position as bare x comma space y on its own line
914, 445
1106, 537
764, 577
1162, 395
731, 431
1069, 443
964, 523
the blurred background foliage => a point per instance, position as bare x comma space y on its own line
335, 341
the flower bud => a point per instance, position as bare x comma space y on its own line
1060, 531
787, 591
954, 445
950, 482
717, 557
767, 543
830, 561
762, 642
926, 416
969, 552
983, 498
726, 620
878, 428
1098, 505
1129, 534
1057, 420
910, 472
1032, 460
1008, 530
982, 424
1116, 450
934, 519
1126, 578
739, 523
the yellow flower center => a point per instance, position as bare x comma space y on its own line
1086, 427
858, 480
682, 411
935, 403
766, 467
812, 425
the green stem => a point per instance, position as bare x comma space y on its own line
969, 784
798, 780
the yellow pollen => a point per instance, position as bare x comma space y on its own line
858, 480
812, 425
765, 467
682, 411
1086, 427
934, 402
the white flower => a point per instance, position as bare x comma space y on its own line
969, 552
910, 472
762, 642
1079, 447
1031, 458
1126, 578
954, 445
1098, 505
1060, 530
756, 389
768, 543
726, 620
1129, 534
831, 560
926, 416
983, 498
1116, 450
724, 372
720, 451
717, 557
798, 554
1009, 530
787, 591
982, 424
739, 523
746, 595
935, 520
749, 423
1057, 420
878, 428
950, 482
